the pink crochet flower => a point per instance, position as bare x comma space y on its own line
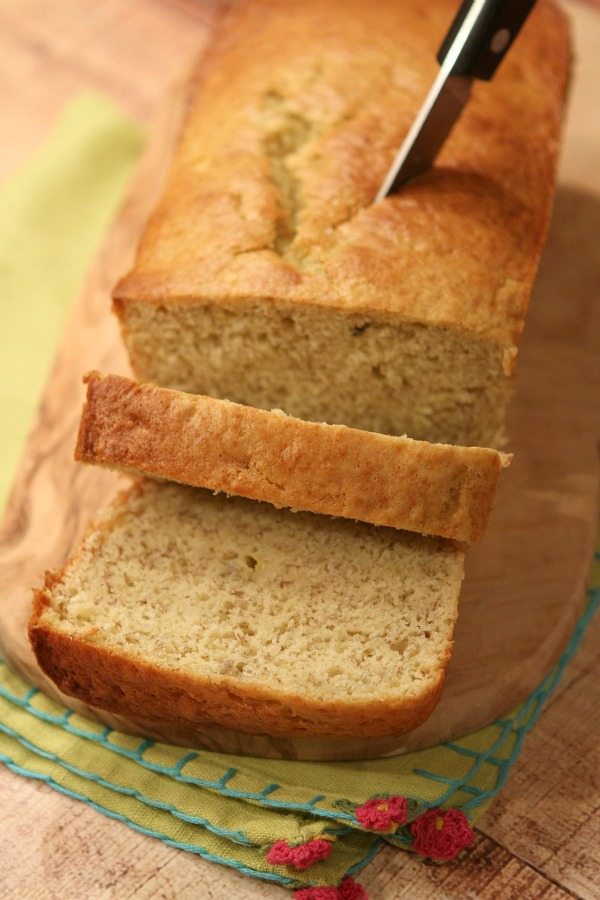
348, 890
441, 834
302, 856
317, 893
382, 813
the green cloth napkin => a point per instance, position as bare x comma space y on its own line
227, 809
52, 216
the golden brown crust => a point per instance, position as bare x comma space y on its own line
126, 685
395, 481
294, 121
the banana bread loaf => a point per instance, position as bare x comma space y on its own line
269, 277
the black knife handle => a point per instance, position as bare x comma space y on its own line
493, 31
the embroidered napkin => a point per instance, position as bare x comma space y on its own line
301, 824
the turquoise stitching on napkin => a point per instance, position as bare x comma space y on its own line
191, 848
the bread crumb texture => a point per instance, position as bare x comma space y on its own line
293, 622
431, 384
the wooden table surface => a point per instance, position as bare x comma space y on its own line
541, 837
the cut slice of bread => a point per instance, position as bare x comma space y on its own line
395, 481
184, 607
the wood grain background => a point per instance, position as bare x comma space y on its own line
541, 837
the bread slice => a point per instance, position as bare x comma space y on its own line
394, 481
184, 607
267, 274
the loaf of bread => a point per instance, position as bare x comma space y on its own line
268, 276
186, 608
396, 481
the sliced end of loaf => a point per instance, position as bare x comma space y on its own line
184, 607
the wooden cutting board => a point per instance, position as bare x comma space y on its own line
525, 583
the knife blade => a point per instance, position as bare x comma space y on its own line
476, 43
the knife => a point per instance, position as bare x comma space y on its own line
478, 39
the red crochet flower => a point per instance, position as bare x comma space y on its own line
317, 893
441, 834
300, 857
348, 890
382, 813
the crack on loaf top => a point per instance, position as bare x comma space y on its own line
286, 132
